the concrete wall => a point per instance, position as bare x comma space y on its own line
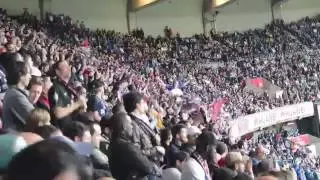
183, 16
296, 9
243, 15
249, 14
108, 14
16, 6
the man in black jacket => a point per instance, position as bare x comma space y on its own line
179, 134
127, 162
144, 134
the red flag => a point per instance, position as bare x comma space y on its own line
257, 82
216, 109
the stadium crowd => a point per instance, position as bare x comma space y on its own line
82, 104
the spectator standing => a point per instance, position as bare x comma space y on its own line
166, 139
143, 134
62, 97
126, 160
233, 161
96, 103
179, 134
174, 172
196, 167
16, 101
222, 150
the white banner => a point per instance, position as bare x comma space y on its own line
253, 122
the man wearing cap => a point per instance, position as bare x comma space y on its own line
96, 104
63, 98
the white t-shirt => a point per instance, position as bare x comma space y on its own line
192, 170
171, 174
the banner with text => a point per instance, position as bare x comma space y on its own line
253, 122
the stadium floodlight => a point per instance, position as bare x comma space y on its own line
135, 5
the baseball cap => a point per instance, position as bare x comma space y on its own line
81, 148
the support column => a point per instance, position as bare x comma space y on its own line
277, 11
128, 15
45, 7
204, 24
41, 8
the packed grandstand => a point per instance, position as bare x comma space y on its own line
84, 104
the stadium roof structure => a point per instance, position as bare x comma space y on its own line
186, 17
135, 5
209, 8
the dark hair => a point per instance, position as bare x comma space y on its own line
221, 148
118, 121
188, 148
205, 139
74, 129
44, 160
90, 125
242, 176
131, 87
263, 167
35, 81
118, 108
240, 144
45, 131
8, 61
101, 173
105, 124
83, 118
22, 69
15, 70
176, 129
53, 71
55, 66
164, 136
183, 123
131, 100
97, 84
179, 156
